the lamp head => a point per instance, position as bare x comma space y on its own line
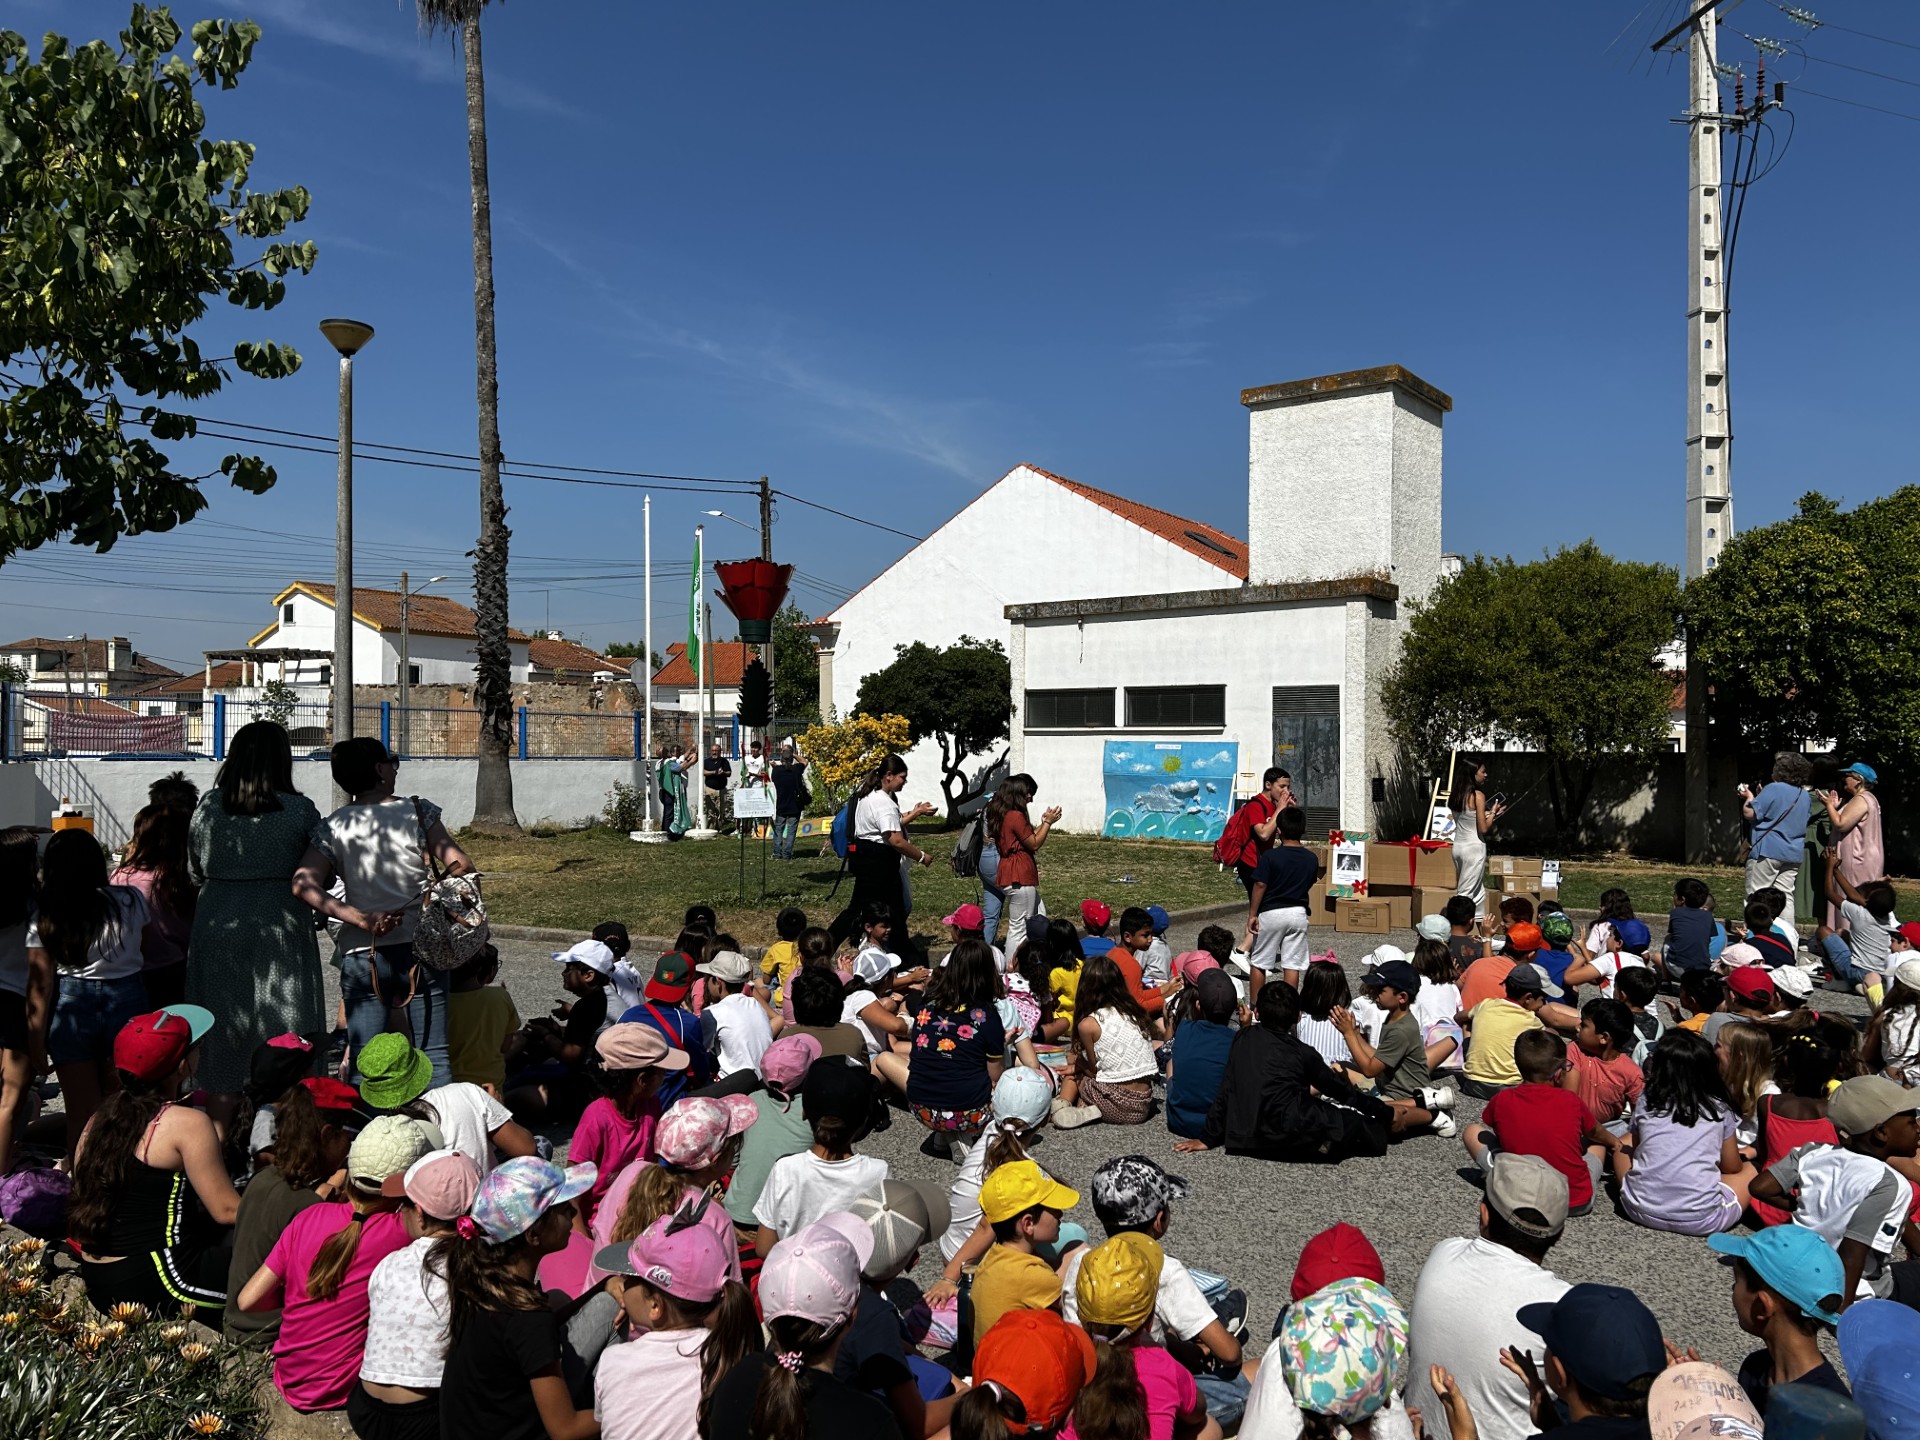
346, 336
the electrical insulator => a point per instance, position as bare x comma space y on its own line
1779, 92
1760, 81
1739, 93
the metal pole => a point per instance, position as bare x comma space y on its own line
703, 662
406, 690
343, 565
766, 553
650, 788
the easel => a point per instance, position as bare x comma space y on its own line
1433, 796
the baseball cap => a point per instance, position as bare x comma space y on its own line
1397, 973
1190, 965
1158, 915
900, 1220
277, 1066
1119, 1281
1865, 771
517, 1192
815, 1275
1525, 935
1797, 984
1529, 1194
1131, 1190
966, 917
1737, 953
1907, 972
1215, 990
1340, 1252
678, 1254
1040, 1358
784, 1063
694, 1133
388, 1145
873, 965
1750, 982
1556, 927
672, 978
1794, 1261
1020, 1185
1095, 912
1381, 955
631, 1045
1632, 934
1869, 1100
728, 966
608, 931
330, 1094
392, 1072
1021, 1095
837, 1085
593, 954
1604, 1336
441, 1183
1434, 927
1343, 1349
1532, 978
1878, 1342
150, 1046
1695, 1391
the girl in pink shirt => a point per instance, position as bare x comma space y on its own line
1135, 1381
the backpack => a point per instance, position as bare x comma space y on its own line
453, 917
1647, 1029
966, 849
1232, 843
842, 831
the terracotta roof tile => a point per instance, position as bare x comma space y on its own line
226, 676
1196, 537
560, 656
426, 614
728, 659
95, 658
78, 704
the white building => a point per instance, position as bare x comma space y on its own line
676, 687
440, 643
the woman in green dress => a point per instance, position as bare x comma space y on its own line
254, 961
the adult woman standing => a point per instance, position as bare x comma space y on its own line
881, 851
1018, 841
376, 846
1777, 814
1473, 816
254, 961
1856, 829
155, 864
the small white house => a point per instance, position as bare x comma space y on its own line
675, 686
440, 643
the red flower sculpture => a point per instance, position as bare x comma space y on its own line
754, 591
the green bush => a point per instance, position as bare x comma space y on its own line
626, 807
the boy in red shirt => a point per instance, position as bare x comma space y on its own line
1540, 1117
1600, 1070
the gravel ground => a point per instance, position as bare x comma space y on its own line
1248, 1218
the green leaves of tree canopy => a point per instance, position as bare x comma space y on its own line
1557, 655
120, 230
961, 695
1810, 630
796, 670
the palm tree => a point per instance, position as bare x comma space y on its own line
493, 785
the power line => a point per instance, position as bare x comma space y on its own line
858, 520
1814, 22
1857, 69
1857, 104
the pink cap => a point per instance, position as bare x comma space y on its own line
1189, 963
678, 1254
441, 1182
290, 1041
815, 1275
967, 917
786, 1062
1095, 912
692, 1135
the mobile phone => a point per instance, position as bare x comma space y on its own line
1499, 799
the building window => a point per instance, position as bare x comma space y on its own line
1164, 706
286, 613
1069, 710
413, 674
326, 674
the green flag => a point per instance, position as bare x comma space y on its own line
694, 657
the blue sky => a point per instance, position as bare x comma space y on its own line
883, 253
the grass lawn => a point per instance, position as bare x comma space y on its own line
1651, 884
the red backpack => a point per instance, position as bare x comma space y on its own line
1238, 833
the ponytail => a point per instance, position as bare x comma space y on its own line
481, 1276
987, 1412
330, 1262
299, 1140
780, 1406
1112, 1406
1006, 1145
733, 1329
656, 1191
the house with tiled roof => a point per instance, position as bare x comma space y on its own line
550, 657
439, 636
94, 665
676, 687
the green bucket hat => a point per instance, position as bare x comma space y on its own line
392, 1072
1557, 927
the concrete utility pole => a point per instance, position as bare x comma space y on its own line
1709, 438
349, 337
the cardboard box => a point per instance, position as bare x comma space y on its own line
1430, 899
1387, 865
1319, 849
1400, 910
1357, 916
1515, 865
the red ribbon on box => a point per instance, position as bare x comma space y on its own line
1416, 848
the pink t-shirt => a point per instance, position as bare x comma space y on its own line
1169, 1389
318, 1353
608, 1216
611, 1141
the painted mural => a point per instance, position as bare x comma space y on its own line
1169, 789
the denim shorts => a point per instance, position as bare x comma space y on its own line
88, 1015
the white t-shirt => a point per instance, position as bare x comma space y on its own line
649, 1388
407, 1314
1900, 1042
1869, 938
13, 955
801, 1188
850, 1013
1156, 965
741, 1033
1844, 1195
1271, 1413
1435, 1003
376, 851
1599, 935
875, 816
115, 952
1465, 1308
1178, 1309
1610, 964
468, 1116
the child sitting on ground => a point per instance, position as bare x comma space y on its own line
1615, 904
782, 957
1023, 1204
1805, 1064
1096, 916
1746, 1064
815, 948
780, 1128
1137, 1389
1541, 1117
1787, 1287
1556, 960
1136, 937
1684, 1172
837, 1100
1861, 954
1020, 1101
735, 1022
480, 1020
1599, 1069
1200, 1046
1397, 1065
1495, 1024
1323, 990
1637, 988
664, 1007
1437, 1006
550, 1062
1627, 942
1156, 965
1690, 928
1465, 941
1114, 1063
618, 1127
1892, 1045
875, 1355
1703, 995
1775, 950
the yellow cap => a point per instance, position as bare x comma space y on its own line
1119, 1281
1021, 1185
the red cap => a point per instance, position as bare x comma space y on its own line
1525, 936
329, 1094
1040, 1358
1096, 913
1910, 932
1750, 982
1338, 1253
150, 1046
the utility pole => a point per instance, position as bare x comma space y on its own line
766, 519
766, 553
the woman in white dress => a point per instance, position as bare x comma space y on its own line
1472, 818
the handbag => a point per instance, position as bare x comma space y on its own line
453, 917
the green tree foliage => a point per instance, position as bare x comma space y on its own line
796, 670
1810, 630
121, 225
633, 650
1556, 655
961, 695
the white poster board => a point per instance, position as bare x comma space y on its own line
1549, 874
1440, 824
1347, 864
753, 802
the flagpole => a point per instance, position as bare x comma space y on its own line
650, 786
702, 663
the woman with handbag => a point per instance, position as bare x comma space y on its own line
386, 850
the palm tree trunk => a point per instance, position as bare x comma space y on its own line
493, 784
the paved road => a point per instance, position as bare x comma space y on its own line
1248, 1218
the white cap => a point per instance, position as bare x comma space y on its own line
874, 965
591, 953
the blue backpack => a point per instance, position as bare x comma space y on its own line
842, 832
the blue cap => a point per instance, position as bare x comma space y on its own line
1633, 934
1605, 1338
1880, 1343
1793, 1261
1865, 771
1159, 917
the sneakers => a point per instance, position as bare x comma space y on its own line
1444, 1125
1437, 1098
1072, 1117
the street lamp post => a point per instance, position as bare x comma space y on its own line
406, 660
349, 337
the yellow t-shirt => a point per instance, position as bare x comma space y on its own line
1695, 1023
1497, 1023
1065, 985
1010, 1280
477, 1021
780, 961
